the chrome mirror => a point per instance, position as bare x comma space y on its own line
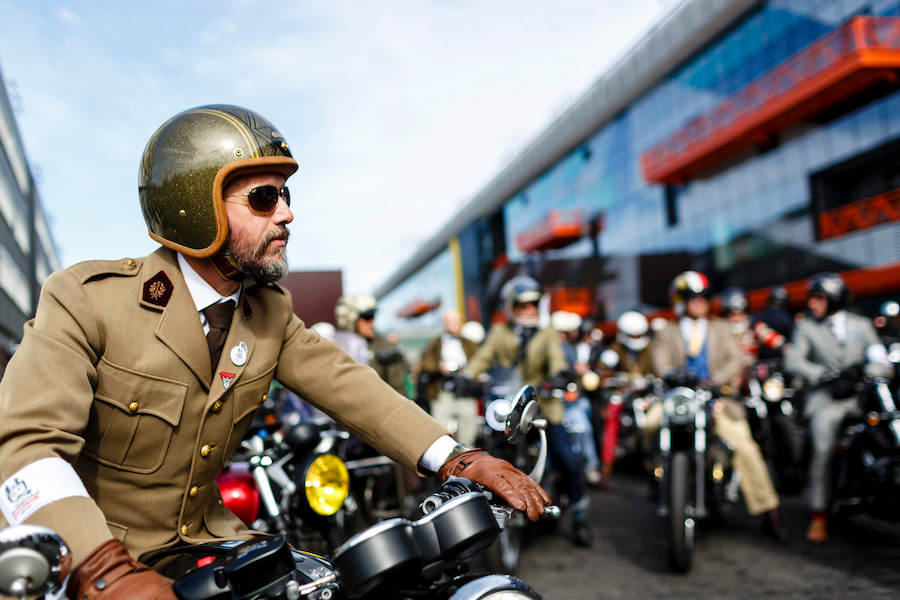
522, 415
33, 561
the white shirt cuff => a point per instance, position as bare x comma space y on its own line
436, 455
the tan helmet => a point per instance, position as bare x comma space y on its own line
187, 163
350, 308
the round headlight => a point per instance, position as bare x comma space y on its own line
327, 484
773, 389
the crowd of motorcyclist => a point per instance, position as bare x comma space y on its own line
568, 357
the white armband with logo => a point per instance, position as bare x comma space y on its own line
35, 486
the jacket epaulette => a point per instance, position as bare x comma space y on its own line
98, 269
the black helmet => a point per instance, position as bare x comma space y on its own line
734, 300
832, 287
779, 296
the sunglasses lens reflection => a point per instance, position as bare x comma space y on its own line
265, 197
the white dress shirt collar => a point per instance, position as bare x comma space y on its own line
202, 293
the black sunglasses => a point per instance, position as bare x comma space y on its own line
264, 198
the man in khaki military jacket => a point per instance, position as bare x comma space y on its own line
520, 348
355, 316
137, 378
444, 357
706, 347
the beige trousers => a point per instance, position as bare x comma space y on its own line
756, 484
458, 415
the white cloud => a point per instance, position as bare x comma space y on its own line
67, 16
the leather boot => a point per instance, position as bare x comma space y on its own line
582, 534
773, 527
818, 530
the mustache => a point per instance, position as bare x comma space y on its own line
281, 233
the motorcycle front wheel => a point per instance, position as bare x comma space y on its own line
503, 555
680, 526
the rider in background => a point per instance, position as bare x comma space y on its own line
774, 326
578, 407
705, 347
537, 356
444, 357
632, 346
356, 315
830, 341
734, 303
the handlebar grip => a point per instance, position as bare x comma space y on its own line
552, 511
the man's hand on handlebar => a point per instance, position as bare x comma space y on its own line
512, 485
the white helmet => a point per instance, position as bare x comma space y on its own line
350, 308
472, 330
633, 330
566, 322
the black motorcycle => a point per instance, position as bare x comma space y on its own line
397, 558
772, 417
866, 464
694, 468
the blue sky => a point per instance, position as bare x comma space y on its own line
398, 112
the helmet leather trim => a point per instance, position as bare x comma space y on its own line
283, 165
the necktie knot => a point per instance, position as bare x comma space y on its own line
219, 315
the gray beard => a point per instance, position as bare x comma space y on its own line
252, 262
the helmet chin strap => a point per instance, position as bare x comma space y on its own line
226, 267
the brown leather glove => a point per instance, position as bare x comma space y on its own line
109, 573
515, 487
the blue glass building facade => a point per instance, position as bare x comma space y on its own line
750, 220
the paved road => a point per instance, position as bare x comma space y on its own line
733, 560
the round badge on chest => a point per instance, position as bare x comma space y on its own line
239, 354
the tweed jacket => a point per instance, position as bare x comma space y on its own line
431, 362
814, 348
113, 375
668, 351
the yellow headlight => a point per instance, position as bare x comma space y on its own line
327, 484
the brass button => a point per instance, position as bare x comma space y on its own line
194, 491
133, 406
217, 406
130, 263
220, 502
205, 450
265, 397
184, 529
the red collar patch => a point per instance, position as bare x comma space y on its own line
158, 289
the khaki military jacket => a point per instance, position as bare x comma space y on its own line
544, 357
643, 366
431, 362
668, 352
113, 376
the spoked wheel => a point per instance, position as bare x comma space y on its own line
680, 525
503, 555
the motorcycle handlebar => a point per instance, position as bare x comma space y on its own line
457, 486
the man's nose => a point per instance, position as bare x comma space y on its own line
283, 213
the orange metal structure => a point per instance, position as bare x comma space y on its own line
862, 214
557, 230
832, 69
417, 308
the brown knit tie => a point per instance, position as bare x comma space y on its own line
219, 316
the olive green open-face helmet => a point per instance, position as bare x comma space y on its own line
189, 160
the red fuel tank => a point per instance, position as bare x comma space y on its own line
239, 491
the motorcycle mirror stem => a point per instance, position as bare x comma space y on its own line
519, 422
